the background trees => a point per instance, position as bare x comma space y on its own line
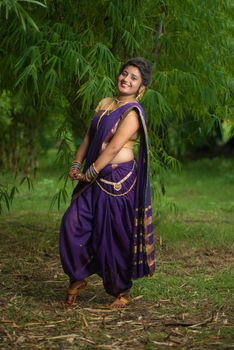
58, 58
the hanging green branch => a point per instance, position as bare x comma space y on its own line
21, 13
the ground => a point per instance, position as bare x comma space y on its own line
187, 304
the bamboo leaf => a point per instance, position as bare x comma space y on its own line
34, 2
20, 12
13, 192
28, 182
51, 79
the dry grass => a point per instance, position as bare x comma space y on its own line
164, 313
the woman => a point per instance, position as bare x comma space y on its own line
108, 227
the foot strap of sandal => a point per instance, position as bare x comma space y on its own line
76, 291
124, 300
73, 291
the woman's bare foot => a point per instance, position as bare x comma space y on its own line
121, 301
73, 291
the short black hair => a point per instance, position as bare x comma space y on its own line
144, 67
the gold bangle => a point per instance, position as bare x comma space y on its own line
95, 169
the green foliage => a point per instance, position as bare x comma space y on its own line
20, 12
5, 112
64, 57
6, 197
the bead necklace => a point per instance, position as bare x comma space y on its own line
108, 110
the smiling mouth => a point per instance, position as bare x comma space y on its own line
124, 85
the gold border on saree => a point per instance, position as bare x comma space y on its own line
118, 185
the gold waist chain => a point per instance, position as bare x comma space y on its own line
117, 185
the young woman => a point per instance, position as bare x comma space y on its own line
108, 228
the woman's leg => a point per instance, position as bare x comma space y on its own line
113, 230
73, 291
75, 244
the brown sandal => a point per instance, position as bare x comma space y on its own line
73, 293
121, 301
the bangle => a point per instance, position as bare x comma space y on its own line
97, 172
76, 162
76, 165
91, 173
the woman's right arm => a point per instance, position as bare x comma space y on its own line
79, 157
82, 150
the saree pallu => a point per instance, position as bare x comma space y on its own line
108, 227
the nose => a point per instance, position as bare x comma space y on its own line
126, 80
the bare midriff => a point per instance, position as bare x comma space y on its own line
126, 153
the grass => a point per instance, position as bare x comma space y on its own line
203, 195
187, 304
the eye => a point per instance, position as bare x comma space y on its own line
124, 73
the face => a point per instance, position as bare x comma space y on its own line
130, 82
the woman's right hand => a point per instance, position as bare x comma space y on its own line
73, 174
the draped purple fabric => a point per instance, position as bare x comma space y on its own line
105, 230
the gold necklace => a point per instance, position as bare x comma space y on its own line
105, 111
109, 108
124, 102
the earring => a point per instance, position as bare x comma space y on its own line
140, 95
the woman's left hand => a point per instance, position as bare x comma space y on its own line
81, 177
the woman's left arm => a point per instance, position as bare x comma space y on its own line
126, 129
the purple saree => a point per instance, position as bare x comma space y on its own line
108, 227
